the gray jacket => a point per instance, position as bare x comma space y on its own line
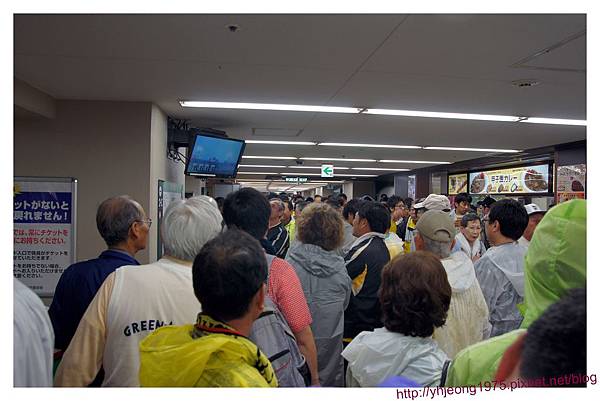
327, 287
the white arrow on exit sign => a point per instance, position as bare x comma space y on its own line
327, 170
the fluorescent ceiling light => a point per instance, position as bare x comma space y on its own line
329, 159
299, 173
385, 112
557, 121
280, 142
260, 165
270, 157
433, 114
368, 145
318, 167
413, 161
380, 169
356, 175
270, 106
256, 172
472, 149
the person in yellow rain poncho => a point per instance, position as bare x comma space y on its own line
555, 263
229, 276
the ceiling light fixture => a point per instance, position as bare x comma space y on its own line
356, 175
413, 161
384, 112
331, 159
270, 106
472, 149
280, 142
270, 157
368, 145
318, 167
260, 165
379, 169
256, 172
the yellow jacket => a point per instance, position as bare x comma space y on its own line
189, 356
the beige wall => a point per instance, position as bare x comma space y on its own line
105, 145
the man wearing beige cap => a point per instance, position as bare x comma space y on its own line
432, 202
467, 321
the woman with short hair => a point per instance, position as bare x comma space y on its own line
415, 298
326, 284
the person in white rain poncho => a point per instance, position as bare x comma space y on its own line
415, 297
500, 270
467, 321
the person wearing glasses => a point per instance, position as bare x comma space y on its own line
123, 225
133, 301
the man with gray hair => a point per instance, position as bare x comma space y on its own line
133, 301
467, 321
277, 235
123, 225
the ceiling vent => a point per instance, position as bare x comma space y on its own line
525, 83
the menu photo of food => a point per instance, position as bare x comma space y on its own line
479, 183
536, 179
516, 180
457, 183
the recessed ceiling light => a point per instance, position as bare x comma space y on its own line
280, 142
368, 145
386, 112
471, 149
379, 169
331, 159
270, 157
356, 175
318, 167
261, 165
413, 161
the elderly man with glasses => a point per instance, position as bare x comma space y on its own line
135, 300
123, 225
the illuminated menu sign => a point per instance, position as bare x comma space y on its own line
516, 180
457, 183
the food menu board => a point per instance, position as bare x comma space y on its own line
457, 183
516, 180
570, 182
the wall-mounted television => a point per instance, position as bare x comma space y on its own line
213, 156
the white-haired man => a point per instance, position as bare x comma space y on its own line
135, 300
467, 321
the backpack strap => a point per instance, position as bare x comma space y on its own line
445, 372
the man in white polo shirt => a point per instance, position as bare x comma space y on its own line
535, 214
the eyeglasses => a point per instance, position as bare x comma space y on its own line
148, 221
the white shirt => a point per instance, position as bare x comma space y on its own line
523, 242
33, 341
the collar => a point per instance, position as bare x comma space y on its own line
118, 254
367, 236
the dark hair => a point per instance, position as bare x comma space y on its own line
351, 208
464, 222
415, 294
367, 198
248, 210
393, 201
227, 273
512, 217
272, 195
343, 195
309, 200
321, 225
383, 198
318, 196
377, 215
408, 202
289, 204
115, 216
555, 344
301, 205
463, 197
335, 202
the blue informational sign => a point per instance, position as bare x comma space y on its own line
43, 207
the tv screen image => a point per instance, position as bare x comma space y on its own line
214, 156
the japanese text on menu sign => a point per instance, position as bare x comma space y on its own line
43, 225
517, 180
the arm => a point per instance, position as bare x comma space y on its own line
306, 343
83, 358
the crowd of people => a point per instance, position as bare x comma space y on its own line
278, 290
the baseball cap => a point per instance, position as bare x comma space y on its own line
434, 202
532, 208
487, 201
436, 225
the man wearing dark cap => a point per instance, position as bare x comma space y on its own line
486, 203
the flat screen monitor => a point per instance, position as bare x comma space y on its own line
212, 156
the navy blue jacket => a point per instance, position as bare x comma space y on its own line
76, 289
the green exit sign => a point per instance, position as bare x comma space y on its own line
296, 179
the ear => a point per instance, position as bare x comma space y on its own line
511, 360
135, 230
419, 242
453, 243
259, 299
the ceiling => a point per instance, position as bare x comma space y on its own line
445, 63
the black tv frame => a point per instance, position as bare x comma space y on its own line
206, 134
